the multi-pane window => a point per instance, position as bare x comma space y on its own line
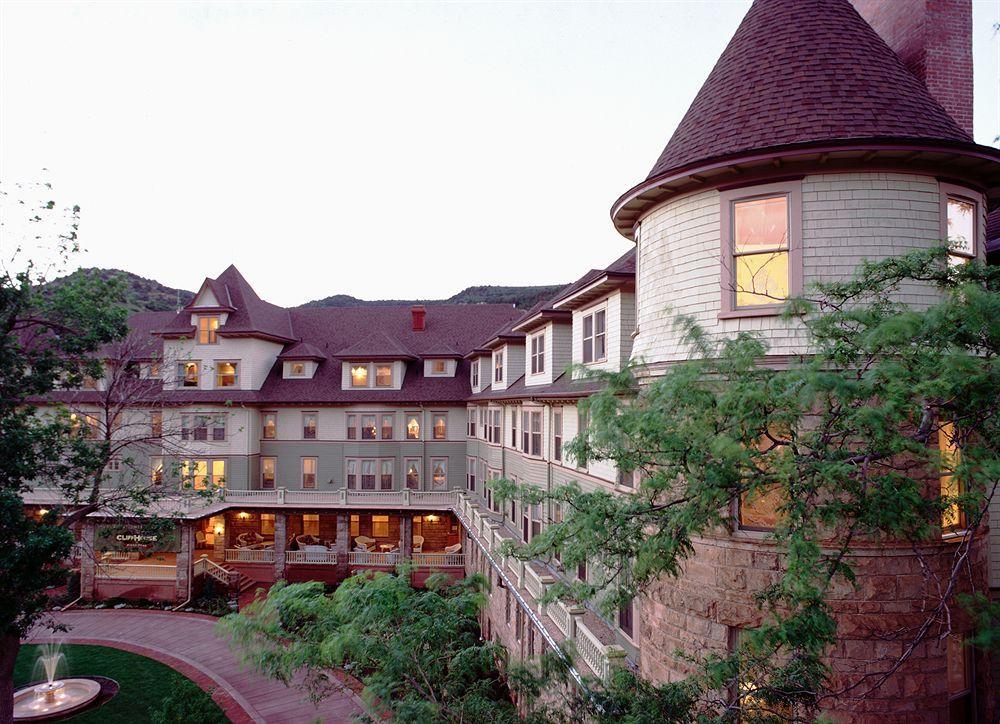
310, 524
439, 473
536, 519
352, 474
595, 336
470, 468
359, 375
525, 431
383, 375
267, 523
199, 474
440, 427
268, 472
269, 425
208, 324
498, 366
187, 374
156, 423
413, 473
495, 429
368, 430
85, 426
474, 373
309, 422
472, 422
412, 426
226, 374
387, 425
557, 435
535, 436
368, 475
380, 526
514, 414
760, 250
538, 354
385, 475
439, 367
961, 221
952, 517
297, 369
202, 428
309, 472
156, 470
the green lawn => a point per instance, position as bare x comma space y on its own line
144, 683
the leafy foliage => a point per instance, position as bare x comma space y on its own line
847, 440
418, 652
140, 294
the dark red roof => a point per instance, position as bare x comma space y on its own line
804, 71
251, 315
302, 350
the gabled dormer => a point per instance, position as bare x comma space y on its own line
548, 335
479, 369
441, 361
377, 362
300, 361
602, 304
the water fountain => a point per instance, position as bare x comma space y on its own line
54, 698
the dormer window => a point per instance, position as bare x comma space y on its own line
439, 367
538, 354
475, 373
359, 375
595, 337
226, 374
498, 366
297, 369
383, 375
187, 374
208, 324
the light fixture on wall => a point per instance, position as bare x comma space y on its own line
219, 530
43, 511
431, 518
243, 515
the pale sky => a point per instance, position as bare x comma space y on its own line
375, 149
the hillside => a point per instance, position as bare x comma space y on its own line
521, 297
142, 295
149, 295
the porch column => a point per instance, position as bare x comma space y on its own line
87, 559
343, 540
227, 537
406, 531
185, 557
280, 543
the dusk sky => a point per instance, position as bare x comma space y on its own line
375, 149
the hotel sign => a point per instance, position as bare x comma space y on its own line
122, 538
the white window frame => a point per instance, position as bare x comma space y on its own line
474, 373
443, 461
182, 376
470, 474
263, 425
591, 340
212, 333
498, 369
306, 484
536, 348
315, 416
274, 483
236, 374
374, 377
443, 416
471, 430
418, 466
410, 417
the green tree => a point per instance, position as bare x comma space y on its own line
846, 441
49, 340
418, 652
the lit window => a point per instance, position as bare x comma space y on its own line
200, 473
368, 431
760, 250
267, 523
412, 427
359, 376
383, 375
297, 369
310, 524
156, 470
440, 427
439, 473
385, 476
538, 354
387, 425
308, 472
961, 230
225, 374
595, 337
355, 525
952, 517
270, 425
439, 367
156, 423
267, 472
187, 374
413, 474
308, 425
380, 526
498, 366
207, 326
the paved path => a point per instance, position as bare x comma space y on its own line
187, 642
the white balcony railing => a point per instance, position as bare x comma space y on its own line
135, 572
328, 558
439, 560
373, 558
249, 555
601, 658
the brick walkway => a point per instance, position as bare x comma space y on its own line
187, 643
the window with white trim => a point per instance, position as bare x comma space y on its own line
961, 227
595, 336
515, 412
472, 422
156, 470
439, 473
309, 425
474, 373
386, 474
470, 465
557, 435
412, 425
268, 472
440, 426
498, 366
413, 473
226, 374
187, 374
538, 354
383, 375
269, 425
200, 473
208, 325
309, 466
388, 422
202, 428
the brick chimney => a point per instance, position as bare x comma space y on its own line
418, 313
934, 40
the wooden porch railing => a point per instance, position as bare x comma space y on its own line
135, 572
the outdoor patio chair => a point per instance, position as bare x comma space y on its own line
248, 539
199, 539
453, 548
418, 544
365, 542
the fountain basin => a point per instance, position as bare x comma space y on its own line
56, 699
